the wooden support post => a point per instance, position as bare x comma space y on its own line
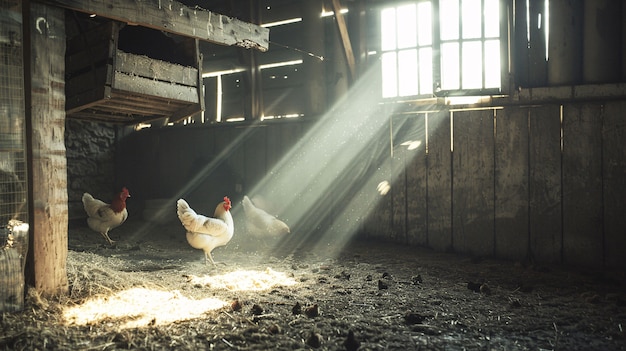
345, 39
46, 264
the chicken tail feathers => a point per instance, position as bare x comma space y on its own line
247, 204
86, 197
186, 214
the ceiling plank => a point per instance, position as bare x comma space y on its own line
176, 18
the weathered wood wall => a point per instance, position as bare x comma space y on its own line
48, 248
200, 163
545, 183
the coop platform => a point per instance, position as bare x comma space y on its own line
105, 83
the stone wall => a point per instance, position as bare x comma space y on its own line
90, 151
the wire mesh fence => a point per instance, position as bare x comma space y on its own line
13, 209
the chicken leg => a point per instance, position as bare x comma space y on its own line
208, 258
106, 236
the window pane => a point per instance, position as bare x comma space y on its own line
450, 66
407, 72
449, 19
390, 74
492, 18
472, 65
426, 70
472, 18
492, 64
407, 27
388, 29
424, 23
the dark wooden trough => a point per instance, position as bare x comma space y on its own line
105, 83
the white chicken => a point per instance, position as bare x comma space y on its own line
103, 217
260, 223
206, 233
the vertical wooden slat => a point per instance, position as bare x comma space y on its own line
416, 184
602, 59
520, 46
538, 69
439, 182
582, 185
565, 46
399, 213
254, 158
530, 45
545, 183
614, 183
274, 146
398, 173
408, 162
511, 183
473, 182
49, 175
379, 224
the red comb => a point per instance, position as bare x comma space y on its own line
227, 204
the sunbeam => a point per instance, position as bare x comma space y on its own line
328, 183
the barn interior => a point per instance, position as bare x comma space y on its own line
452, 174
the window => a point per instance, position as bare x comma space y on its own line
407, 50
461, 54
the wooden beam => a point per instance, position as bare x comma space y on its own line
345, 38
48, 169
173, 17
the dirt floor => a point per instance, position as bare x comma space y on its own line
151, 291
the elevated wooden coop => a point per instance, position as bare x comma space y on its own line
109, 77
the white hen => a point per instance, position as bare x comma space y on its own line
262, 224
207, 233
103, 217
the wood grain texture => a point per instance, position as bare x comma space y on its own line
614, 183
472, 182
439, 182
511, 183
582, 185
545, 184
49, 232
177, 18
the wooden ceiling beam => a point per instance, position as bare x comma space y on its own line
345, 39
176, 18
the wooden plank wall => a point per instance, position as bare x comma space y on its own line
543, 183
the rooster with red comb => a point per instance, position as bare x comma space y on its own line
103, 217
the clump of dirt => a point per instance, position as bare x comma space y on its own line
151, 291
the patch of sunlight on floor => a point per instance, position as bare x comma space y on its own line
139, 307
245, 280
